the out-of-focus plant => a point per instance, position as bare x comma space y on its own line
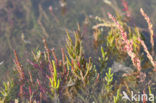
37, 56
150, 92
102, 92
127, 44
126, 8
19, 67
114, 38
134, 37
5, 91
117, 97
54, 81
104, 57
109, 79
96, 36
16, 101
79, 67
150, 27
132, 46
75, 75
103, 60
75, 50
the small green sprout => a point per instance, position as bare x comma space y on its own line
103, 60
54, 81
37, 56
109, 79
116, 98
6, 90
104, 57
150, 92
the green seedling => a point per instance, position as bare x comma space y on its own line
5, 91
54, 81
109, 79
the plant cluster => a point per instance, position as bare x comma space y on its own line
74, 77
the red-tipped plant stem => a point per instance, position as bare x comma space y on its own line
63, 60
97, 78
30, 77
42, 90
72, 67
18, 67
60, 63
34, 64
37, 66
40, 87
55, 57
48, 56
30, 95
30, 91
21, 74
41, 97
128, 47
125, 5
21, 92
144, 97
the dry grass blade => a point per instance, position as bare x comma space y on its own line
150, 27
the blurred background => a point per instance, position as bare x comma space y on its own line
23, 24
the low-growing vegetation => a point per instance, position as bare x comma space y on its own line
73, 77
